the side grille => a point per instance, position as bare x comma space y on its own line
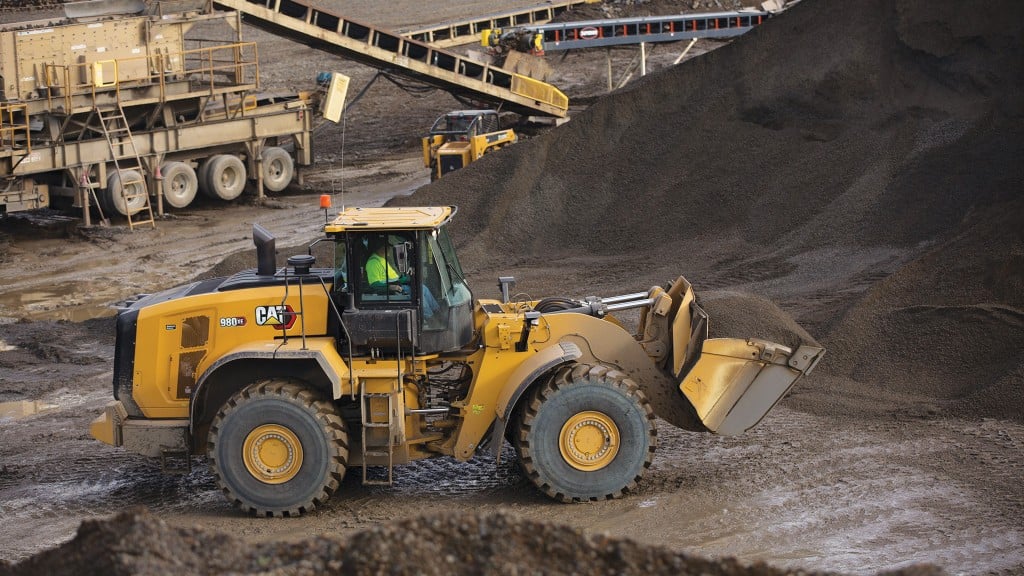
195, 334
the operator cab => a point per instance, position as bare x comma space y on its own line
465, 124
398, 282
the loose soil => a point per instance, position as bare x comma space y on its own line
846, 173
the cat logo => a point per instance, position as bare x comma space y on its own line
280, 317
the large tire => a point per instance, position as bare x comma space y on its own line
224, 177
277, 449
180, 184
201, 176
136, 189
586, 434
278, 169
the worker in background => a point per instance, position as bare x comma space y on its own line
538, 45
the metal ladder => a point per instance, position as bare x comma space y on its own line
367, 413
122, 145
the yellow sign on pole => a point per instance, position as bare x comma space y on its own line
334, 103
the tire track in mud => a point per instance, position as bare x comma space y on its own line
799, 490
858, 499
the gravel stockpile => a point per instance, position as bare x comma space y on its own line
847, 173
137, 543
857, 161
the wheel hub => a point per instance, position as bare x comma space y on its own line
589, 441
272, 454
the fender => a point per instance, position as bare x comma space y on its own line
319, 349
521, 379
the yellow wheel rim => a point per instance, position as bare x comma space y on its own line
589, 441
272, 454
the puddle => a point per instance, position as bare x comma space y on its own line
75, 302
22, 408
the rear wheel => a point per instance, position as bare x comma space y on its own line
201, 173
278, 169
224, 177
586, 434
180, 184
277, 449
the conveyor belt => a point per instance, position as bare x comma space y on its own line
615, 31
411, 58
467, 31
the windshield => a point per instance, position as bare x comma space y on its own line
442, 276
444, 241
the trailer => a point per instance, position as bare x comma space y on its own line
118, 107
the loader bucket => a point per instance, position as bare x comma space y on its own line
722, 385
736, 382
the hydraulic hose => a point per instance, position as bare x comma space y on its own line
556, 304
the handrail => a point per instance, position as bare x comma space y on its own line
12, 127
398, 54
233, 64
466, 31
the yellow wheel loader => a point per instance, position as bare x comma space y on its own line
461, 137
288, 377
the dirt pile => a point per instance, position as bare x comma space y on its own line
138, 543
858, 162
744, 313
19, 5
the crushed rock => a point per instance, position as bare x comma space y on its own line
137, 543
839, 128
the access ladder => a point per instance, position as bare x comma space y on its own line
393, 52
379, 420
122, 146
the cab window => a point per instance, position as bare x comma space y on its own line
340, 266
385, 269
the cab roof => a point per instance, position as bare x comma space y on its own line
404, 218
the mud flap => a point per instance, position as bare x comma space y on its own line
734, 382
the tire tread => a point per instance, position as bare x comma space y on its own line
328, 419
564, 377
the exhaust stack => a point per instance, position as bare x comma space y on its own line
266, 252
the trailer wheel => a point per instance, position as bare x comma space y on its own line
225, 177
277, 448
201, 175
278, 169
135, 190
180, 184
586, 434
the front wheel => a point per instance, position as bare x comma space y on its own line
277, 449
586, 434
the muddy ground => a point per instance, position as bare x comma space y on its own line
848, 474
